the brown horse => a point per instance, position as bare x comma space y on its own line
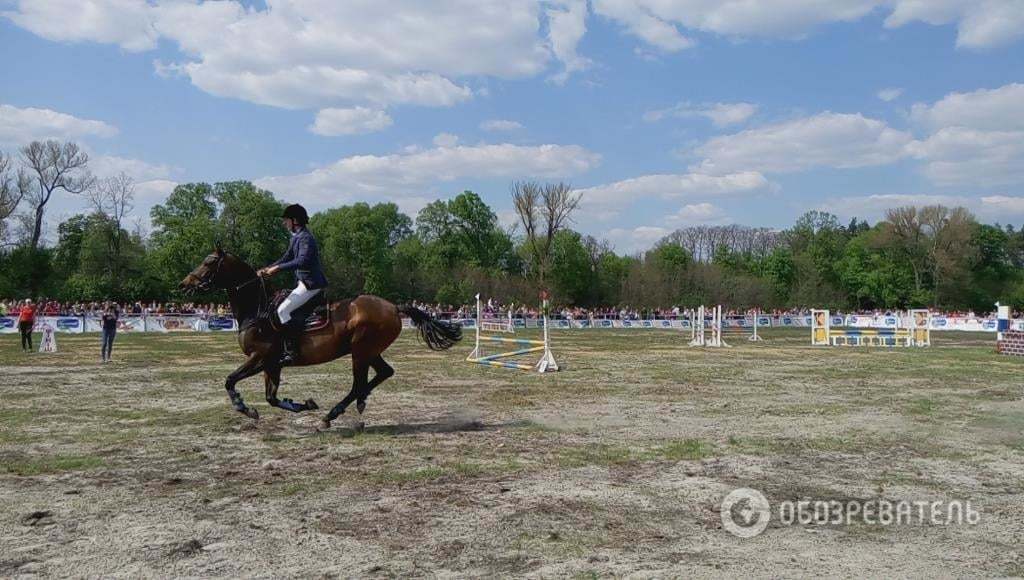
363, 327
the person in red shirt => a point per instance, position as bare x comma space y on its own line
26, 320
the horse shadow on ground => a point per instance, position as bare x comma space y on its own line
406, 429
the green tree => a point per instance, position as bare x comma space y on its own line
464, 231
572, 277
185, 231
357, 246
249, 222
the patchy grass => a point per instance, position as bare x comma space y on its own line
465, 470
685, 450
31, 466
921, 407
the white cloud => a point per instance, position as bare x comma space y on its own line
889, 95
977, 137
110, 165
721, 114
825, 140
324, 53
631, 240
968, 139
127, 23
354, 121
980, 23
151, 192
606, 199
741, 18
962, 156
699, 213
998, 109
406, 175
20, 126
1000, 206
566, 26
445, 140
642, 20
501, 125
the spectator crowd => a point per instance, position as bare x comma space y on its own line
47, 307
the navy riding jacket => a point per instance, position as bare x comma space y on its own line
303, 256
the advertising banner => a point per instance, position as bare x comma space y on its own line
172, 323
8, 325
186, 323
67, 324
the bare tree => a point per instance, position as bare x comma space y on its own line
949, 248
113, 197
596, 250
935, 240
52, 166
904, 230
702, 242
543, 211
12, 189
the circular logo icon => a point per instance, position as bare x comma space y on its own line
745, 512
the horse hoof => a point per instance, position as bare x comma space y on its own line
311, 405
252, 413
324, 425
360, 406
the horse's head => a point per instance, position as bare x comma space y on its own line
217, 271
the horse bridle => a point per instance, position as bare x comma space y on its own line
205, 283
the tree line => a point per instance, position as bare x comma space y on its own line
454, 248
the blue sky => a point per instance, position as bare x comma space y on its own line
663, 113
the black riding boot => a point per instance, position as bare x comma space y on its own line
292, 335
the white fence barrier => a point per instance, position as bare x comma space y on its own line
186, 323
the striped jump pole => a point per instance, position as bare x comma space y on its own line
545, 364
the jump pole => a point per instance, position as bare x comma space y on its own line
547, 362
697, 328
700, 330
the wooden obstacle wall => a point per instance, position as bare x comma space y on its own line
918, 334
1011, 342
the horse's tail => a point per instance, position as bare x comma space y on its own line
438, 334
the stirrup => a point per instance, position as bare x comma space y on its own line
289, 355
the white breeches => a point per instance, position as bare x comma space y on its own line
297, 298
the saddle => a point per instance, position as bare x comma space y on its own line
316, 313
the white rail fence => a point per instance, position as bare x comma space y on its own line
188, 323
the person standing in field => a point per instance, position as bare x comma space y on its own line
26, 320
109, 317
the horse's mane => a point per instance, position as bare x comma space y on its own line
240, 262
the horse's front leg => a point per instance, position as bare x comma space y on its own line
252, 366
272, 380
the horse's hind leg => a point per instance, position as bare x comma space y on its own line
382, 372
360, 370
272, 380
252, 366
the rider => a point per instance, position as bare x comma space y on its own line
303, 256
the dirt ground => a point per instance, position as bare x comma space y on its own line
615, 466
